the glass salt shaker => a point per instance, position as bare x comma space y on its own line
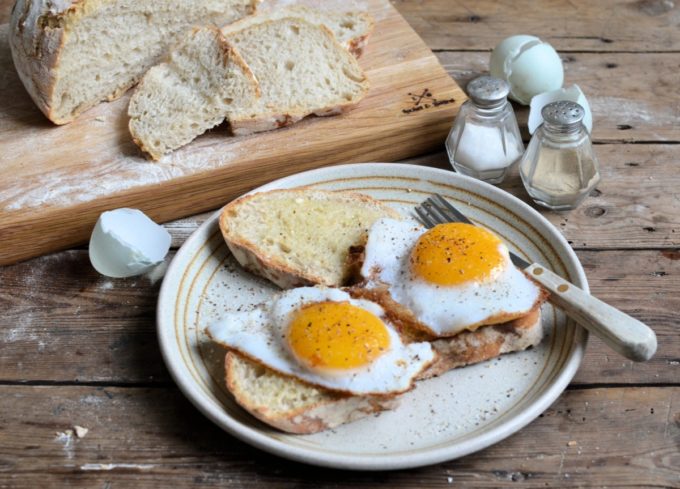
559, 168
485, 140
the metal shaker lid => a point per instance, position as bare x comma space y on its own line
563, 113
487, 91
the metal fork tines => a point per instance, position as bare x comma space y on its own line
437, 210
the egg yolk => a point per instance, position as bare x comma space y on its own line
336, 335
455, 253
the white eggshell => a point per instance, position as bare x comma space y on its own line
125, 242
506, 51
573, 94
529, 65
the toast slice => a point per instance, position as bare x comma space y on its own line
291, 405
295, 407
73, 54
352, 29
203, 80
301, 69
299, 237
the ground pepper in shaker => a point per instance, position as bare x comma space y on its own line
484, 141
559, 168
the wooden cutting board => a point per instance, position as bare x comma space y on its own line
55, 181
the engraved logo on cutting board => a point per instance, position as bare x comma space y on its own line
424, 100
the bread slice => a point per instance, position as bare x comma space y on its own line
291, 405
203, 80
295, 407
299, 237
302, 70
72, 54
351, 28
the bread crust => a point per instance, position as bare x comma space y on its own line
333, 410
246, 125
256, 261
355, 45
469, 347
38, 33
36, 38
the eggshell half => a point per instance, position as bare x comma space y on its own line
572, 93
126, 242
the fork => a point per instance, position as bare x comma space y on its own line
623, 333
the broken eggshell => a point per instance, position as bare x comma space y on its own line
529, 65
573, 94
126, 242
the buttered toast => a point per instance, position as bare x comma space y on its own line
299, 237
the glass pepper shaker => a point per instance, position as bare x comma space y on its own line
484, 141
559, 168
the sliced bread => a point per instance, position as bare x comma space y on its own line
299, 237
72, 54
351, 29
291, 405
203, 79
301, 69
288, 236
295, 407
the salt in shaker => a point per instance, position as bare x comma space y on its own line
559, 168
485, 140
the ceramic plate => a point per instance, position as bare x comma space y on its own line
456, 414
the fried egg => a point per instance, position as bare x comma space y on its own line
324, 337
453, 277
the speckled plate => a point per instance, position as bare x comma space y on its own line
456, 414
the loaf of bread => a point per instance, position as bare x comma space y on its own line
301, 69
299, 237
203, 79
351, 28
73, 54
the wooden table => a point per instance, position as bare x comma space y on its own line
81, 349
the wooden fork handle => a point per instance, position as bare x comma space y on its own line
623, 333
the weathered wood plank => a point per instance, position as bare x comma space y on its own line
61, 321
637, 204
155, 438
576, 25
579, 25
631, 94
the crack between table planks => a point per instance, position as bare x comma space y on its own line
618, 385
463, 50
162, 384
96, 383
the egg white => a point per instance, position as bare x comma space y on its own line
260, 335
444, 310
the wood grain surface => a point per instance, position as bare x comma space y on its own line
59, 297
81, 349
149, 437
59, 179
